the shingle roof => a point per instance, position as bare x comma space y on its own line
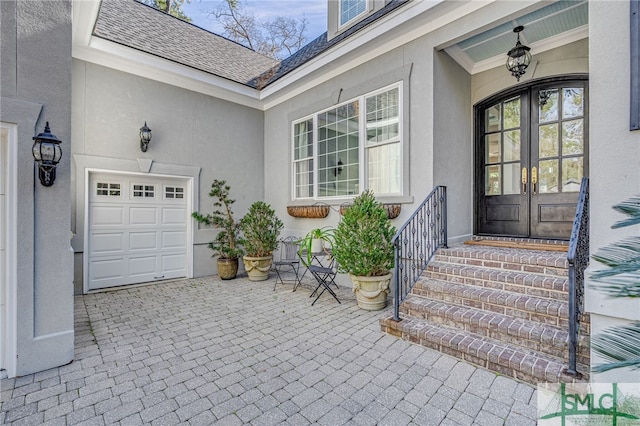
144, 28
320, 44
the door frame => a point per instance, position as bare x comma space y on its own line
87, 225
478, 182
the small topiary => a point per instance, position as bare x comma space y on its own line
261, 229
363, 238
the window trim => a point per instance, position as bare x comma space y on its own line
363, 172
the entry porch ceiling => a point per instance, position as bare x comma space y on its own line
551, 26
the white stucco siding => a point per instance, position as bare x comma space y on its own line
31, 96
615, 159
193, 135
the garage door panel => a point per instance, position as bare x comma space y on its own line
108, 269
137, 233
107, 216
173, 216
173, 239
143, 241
107, 243
143, 265
143, 216
173, 263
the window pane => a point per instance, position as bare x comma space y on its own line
338, 145
512, 145
492, 180
349, 9
548, 139
548, 105
304, 178
383, 117
548, 176
571, 174
384, 169
303, 139
492, 148
511, 179
572, 103
492, 119
572, 137
512, 113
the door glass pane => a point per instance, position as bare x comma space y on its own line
571, 174
492, 119
548, 105
512, 145
572, 103
548, 176
492, 180
548, 140
492, 148
511, 179
512, 113
572, 137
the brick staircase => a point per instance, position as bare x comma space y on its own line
504, 309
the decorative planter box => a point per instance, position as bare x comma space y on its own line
315, 212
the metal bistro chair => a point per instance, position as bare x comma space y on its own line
325, 275
289, 262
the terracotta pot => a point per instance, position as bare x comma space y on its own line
257, 267
371, 292
227, 268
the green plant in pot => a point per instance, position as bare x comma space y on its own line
363, 248
226, 245
316, 240
261, 229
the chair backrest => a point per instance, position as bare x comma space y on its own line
289, 248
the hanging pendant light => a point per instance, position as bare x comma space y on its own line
519, 57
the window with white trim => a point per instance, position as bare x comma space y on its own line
350, 9
340, 151
173, 192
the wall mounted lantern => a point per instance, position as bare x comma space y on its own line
519, 57
145, 137
47, 153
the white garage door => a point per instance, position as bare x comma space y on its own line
137, 229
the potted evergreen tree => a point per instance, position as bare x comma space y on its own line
226, 245
261, 229
364, 249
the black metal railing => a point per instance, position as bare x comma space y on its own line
417, 241
578, 258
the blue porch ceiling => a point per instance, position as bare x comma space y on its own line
563, 19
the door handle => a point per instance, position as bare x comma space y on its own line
524, 181
534, 179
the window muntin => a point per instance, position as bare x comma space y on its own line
173, 192
332, 145
143, 191
108, 189
350, 9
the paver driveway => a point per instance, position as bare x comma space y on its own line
205, 351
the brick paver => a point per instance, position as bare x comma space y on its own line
205, 351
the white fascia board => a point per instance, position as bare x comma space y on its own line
571, 36
122, 58
280, 91
84, 13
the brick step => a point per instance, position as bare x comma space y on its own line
543, 338
534, 284
505, 358
518, 305
522, 260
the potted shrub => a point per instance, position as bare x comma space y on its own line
316, 240
261, 229
363, 248
226, 245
